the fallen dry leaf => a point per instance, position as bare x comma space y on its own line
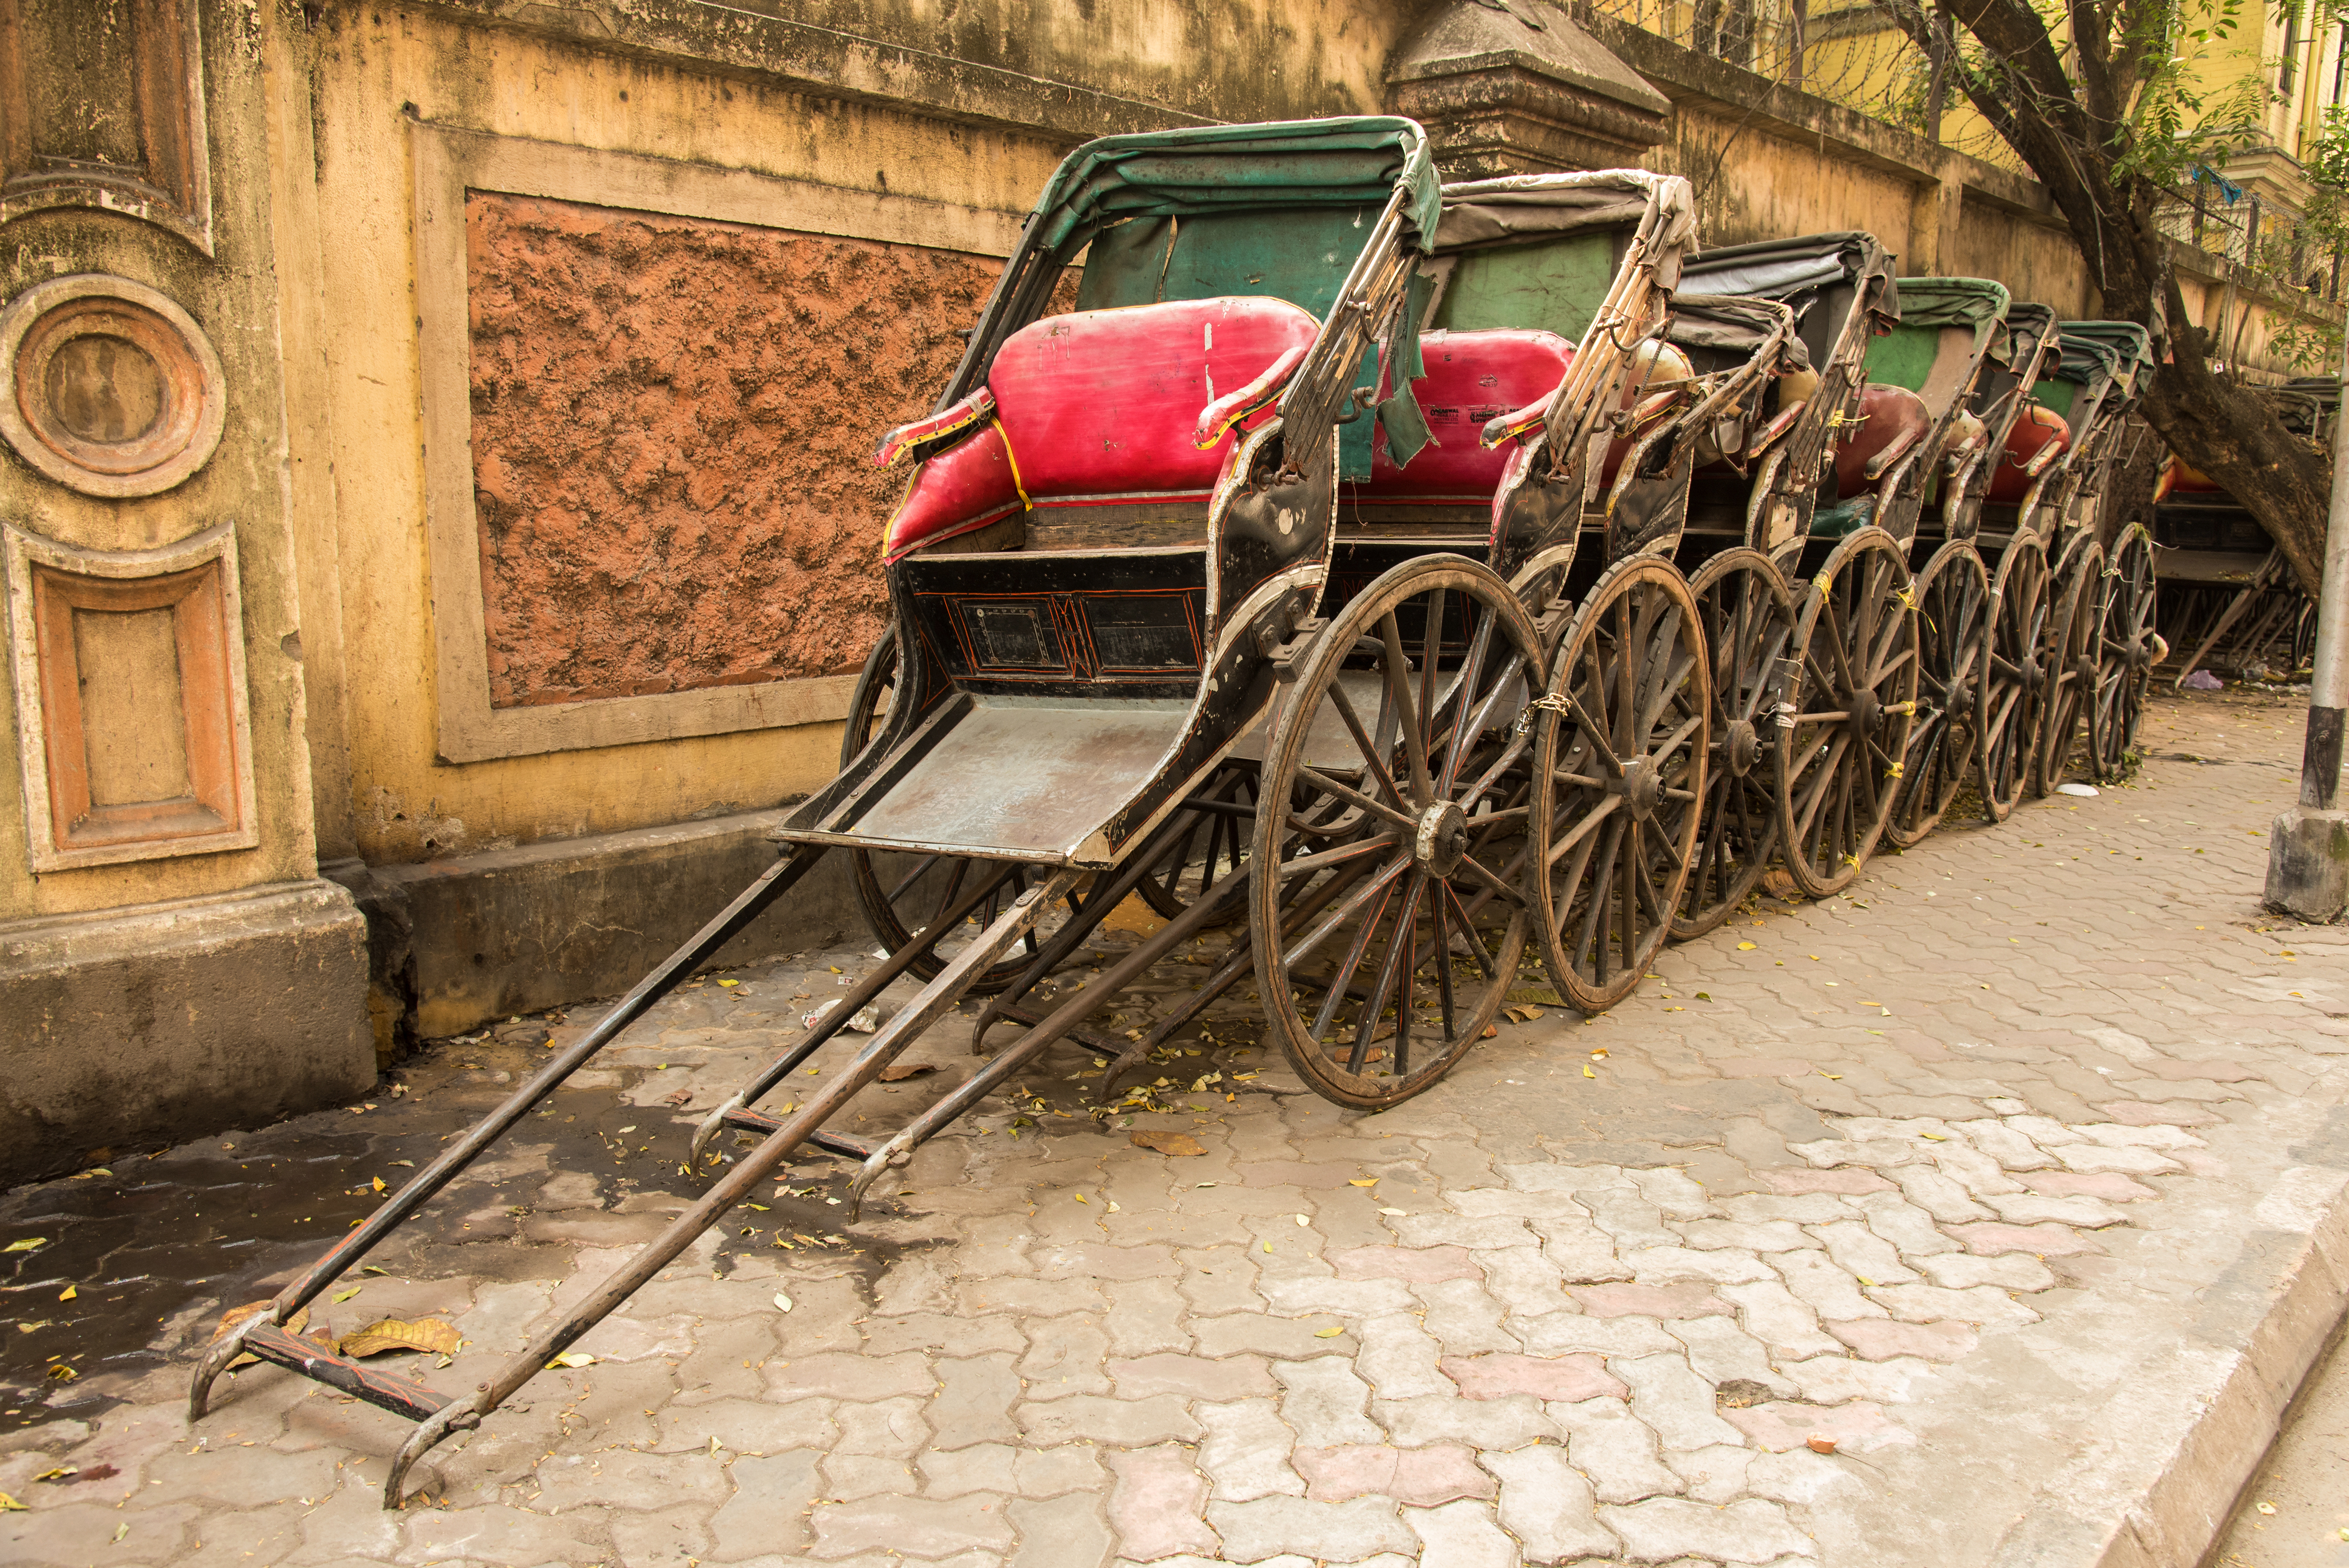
782, 1302
236, 1315
69, 1293
677, 1099
9, 1504
1821, 1445
24, 1244
425, 1333
572, 1358
899, 1072
1329, 1332
1173, 1143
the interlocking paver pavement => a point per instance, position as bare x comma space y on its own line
1929, 1177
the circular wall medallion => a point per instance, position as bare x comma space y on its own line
107, 386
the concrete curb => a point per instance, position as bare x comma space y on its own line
2155, 1484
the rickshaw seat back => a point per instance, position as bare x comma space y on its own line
2034, 429
1892, 414
1472, 377
1096, 410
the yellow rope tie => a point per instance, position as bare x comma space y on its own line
1892, 771
1025, 505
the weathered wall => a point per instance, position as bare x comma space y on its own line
374, 69
673, 421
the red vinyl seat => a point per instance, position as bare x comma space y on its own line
1895, 421
1098, 408
2035, 428
1472, 377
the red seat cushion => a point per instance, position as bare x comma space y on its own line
1472, 377
1099, 407
961, 490
1102, 404
2034, 428
1890, 412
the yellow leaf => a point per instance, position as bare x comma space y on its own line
1866, 1281
1329, 1332
342, 1295
1934, 1136
572, 1358
10, 1505
1080, 1197
1363, 1181
729, 982
1588, 1073
26, 1245
377, 1184
426, 1334
1746, 946
69, 1292
62, 1374
1268, 1246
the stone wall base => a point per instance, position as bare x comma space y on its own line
456, 942
139, 1027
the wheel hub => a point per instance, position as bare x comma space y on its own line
1866, 712
2139, 652
1641, 786
1957, 696
1442, 838
1741, 748
2032, 676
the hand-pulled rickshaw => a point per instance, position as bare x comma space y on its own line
2099, 652
1165, 564
1327, 564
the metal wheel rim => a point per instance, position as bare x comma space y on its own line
2124, 653
1954, 655
2010, 735
1836, 763
2069, 638
1374, 843
1621, 778
1748, 616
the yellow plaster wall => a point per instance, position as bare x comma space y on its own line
374, 68
232, 298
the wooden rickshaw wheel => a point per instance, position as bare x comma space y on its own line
1851, 693
2018, 686
2125, 649
1748, 617
2069, 656
1952, 691
1619, 755
1385, 901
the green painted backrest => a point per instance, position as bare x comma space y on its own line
1302, 258
1555, 287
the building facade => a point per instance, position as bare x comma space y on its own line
439, 530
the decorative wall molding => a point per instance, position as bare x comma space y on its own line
61, 143
448, 163
132, 720
107, 386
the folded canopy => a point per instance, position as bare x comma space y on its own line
1794, 271
1217, 169
2096, 351
1527, 209
1730, 324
